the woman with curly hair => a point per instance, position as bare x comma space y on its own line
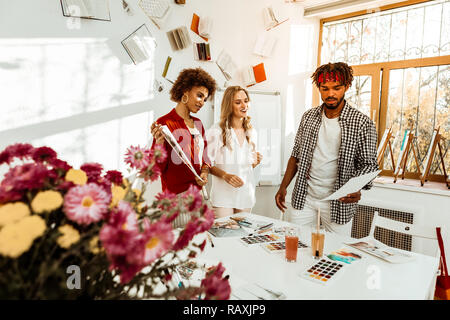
232, 151
190, 91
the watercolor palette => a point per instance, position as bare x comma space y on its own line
279, 246
259, 239
324, 271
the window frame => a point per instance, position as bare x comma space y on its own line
380, 73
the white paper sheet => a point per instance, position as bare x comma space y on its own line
353, 185
174, 144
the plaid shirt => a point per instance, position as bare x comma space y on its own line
357, 155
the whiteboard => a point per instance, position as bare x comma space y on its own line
265, 113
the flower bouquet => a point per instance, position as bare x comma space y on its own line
88, 234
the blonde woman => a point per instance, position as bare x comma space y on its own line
232, 151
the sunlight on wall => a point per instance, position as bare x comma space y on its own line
47, 79
301, 49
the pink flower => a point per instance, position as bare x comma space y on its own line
127, 270
159, 153
18, 150
42, 154
195, 226
60, 165
114, 177
158, 240
193, 198
86, 204
93, 171
166, 200
120, 235
9, 196
26, 177
152, 172
5, 157
137, 157
214, 286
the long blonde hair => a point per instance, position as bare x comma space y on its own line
226, 114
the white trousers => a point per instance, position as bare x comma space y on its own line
308, 217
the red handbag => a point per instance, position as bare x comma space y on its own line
443, 280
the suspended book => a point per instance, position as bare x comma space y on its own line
265, 43
202, 51
226, 65
140, 45
172, 69
205, 27
195, 26
86, 9
127, 8
156, 10
254, 75
270, 21
179, 38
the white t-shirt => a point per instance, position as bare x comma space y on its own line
200, 143
324, 165
237, 161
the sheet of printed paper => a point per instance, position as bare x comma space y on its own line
353, 185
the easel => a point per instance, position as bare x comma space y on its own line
385, 141
435, 141
400, 170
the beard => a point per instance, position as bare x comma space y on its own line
332, 107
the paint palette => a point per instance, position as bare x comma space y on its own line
279, 246
324, 271
260, 239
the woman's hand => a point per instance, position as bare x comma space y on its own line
233, 180
258, 159
204, 176
157, 133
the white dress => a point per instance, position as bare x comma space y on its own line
237, 161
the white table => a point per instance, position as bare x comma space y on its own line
412, 280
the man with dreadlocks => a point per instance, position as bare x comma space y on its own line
334, 143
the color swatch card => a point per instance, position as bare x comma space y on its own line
344, 255
279, 246
324, 272
260, 239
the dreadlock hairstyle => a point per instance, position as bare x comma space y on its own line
339, 72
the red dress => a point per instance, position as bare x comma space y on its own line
175, 175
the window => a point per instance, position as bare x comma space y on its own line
401, 62
76, 96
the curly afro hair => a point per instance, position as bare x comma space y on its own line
189, 78
341, 68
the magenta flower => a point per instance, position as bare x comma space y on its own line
93, 171
159, 239
86, 204
114, 177
152, 172
166, 200
137, 157
127, 270
60, 165
120, 235
26, 177
42, 154
193, 198
195, 226
5, 157
18, 150
214, 286
159, 153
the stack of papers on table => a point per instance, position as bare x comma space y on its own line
381, 251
